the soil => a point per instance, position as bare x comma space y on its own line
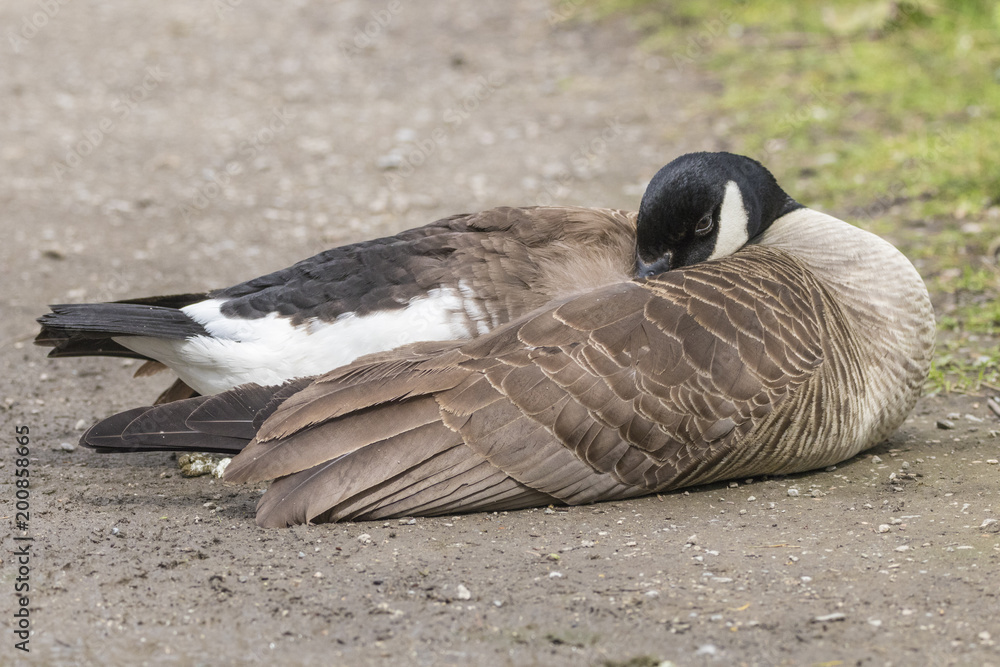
152, 148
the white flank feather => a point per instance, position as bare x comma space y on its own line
270, 350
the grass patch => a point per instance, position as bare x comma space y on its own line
866, 105
885, 113
958, 369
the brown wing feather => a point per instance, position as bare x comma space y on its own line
522, 258
618, 392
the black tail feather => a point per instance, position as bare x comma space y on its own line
102, 320
65, 345
86, 329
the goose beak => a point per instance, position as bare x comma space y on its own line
660, 265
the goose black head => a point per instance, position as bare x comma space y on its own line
704, 206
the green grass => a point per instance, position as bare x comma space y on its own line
863, 103
957, 370
884, 113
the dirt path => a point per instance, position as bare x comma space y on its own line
150, 148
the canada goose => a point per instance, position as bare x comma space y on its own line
806, 346
455, 278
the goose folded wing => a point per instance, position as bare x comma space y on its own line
622, 391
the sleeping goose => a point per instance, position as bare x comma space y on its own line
455, 278
724, 358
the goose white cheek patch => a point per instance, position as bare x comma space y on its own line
733, 220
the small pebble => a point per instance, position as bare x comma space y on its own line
463, 593
389, 161
80, 425
365, 538
555, 575
816, 493
836, 616
902, 548
876, 459
793, 492
945, 424
67, 446
883, 528
992, 462
405, 134
195, 464
987, 522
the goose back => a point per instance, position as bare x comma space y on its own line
455, 278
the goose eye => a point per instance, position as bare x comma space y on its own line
704, 225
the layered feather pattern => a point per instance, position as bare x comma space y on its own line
579, 384
711, 371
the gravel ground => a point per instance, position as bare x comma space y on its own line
152, 148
